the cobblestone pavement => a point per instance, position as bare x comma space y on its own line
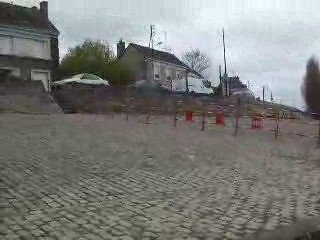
97, 177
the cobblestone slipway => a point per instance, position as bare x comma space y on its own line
93, 177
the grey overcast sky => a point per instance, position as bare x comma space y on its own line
268, 41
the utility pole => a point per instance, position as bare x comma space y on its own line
220, 76
221, 82
187, 83
226, 79
224, 53
166, 41
263, 90
271, 97
152, 51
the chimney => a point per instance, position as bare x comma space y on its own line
44, 10
34, 11
121, 46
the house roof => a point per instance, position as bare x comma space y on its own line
162, 56
196, 73
19, 16
158, 55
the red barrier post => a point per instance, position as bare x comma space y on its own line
220, 120
189, 116
253, 123
256, 123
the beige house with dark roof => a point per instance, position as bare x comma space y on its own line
154, 65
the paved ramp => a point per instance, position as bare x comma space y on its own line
26, 97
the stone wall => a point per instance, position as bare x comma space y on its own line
77, 99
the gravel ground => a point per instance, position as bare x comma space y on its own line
102, 177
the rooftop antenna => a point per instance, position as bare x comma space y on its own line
151, 36
165, 40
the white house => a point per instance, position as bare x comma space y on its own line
28, 42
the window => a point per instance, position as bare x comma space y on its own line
178, 75
168, 74
5, 45
31, 48
40, 49
13, 71
156, 71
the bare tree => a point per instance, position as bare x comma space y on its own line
197, 61
311, 86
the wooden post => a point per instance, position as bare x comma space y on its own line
203, 121
236, 128
175, 119
148, 115
319, 135
276, 130
237, 117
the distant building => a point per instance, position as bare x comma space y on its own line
233, 86
28, 42
154, 65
